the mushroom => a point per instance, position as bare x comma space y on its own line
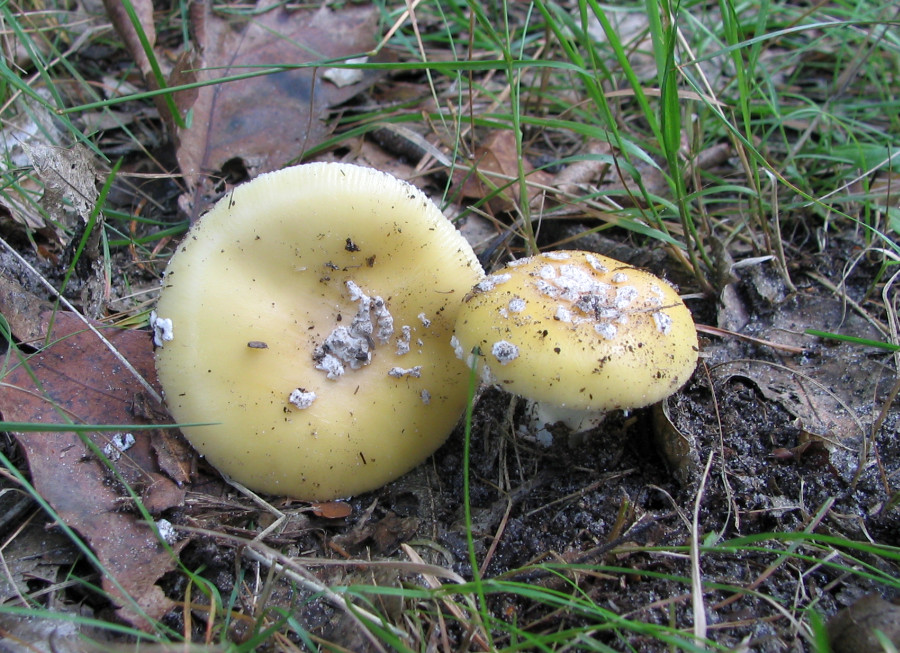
306, 320
579, 335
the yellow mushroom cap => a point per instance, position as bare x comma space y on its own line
309, 314
580, 331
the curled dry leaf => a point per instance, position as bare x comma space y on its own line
69, 179
161, 493
800, 384
22, 311
32, 553
587, 171
128, 32
678, 449
27, 124
69, 176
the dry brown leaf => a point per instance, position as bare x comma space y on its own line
819, 388
33, 553
31, 136
270, 120
391, 531
678, 449
125, 28
586, 171
22, 310
161, 493
175, 456
69, 630
498, 162
70, 184
385, 535
69, 176
852, 630
78, 379
331, 509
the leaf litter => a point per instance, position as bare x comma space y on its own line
228, 122
76, 380
596, 499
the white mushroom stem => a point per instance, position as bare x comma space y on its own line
543, 415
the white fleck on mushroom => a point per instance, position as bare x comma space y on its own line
322, 263
606, 330
596, 335
163, 331
595, 263
490, 282
517, 305
301, 398
505, 352
403, 340
457, 348
563, 314
400, 372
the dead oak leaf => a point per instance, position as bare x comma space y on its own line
77, 378
269, 120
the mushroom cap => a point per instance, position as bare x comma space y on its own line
308, 316
579, 330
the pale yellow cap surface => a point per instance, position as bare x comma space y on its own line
580, 331
278, 293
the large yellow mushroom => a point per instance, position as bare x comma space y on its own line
309, 316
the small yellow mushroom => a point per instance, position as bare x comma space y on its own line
579, 334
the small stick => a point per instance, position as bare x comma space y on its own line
716, 331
